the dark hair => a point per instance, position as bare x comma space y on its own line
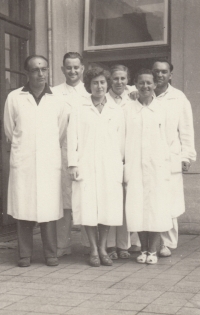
119, 67
72, 55
171, 67
144, 71
31, 57
94, 73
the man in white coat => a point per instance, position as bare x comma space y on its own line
72, 91
35, 123
180, 137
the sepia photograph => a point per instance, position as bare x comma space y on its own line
99, 162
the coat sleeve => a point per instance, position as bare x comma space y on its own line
63, 123
9, 120
72, 139
186, 132
121, 132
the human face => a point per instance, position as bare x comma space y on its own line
162, 73
119, 81
37, 72
145, 85
99, 86
73, 70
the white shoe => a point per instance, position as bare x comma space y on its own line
164, 251
64, 251
152, 258
142, 258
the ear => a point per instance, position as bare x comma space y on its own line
62, 69
83, 68
171, 74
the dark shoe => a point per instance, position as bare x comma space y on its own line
94, 261
123, 254
52, 261
105, 260
24, 262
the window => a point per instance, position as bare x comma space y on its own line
125, 23
18, 10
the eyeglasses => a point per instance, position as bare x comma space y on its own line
37, 70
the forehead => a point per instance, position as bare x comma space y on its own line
145, 77
99, 78
119, 73
161, 66
37, 63
72, 62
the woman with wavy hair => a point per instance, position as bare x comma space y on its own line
95, 153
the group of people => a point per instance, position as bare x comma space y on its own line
109, 154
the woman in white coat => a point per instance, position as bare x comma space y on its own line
95, 157
147, 171
119, 238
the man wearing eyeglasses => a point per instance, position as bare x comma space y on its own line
35, 123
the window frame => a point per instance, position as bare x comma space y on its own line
88, 47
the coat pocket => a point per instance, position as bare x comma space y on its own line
14, 155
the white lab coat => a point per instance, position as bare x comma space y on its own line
36, 133
180, 138
147, 169
95, 146
72, 96
125, 99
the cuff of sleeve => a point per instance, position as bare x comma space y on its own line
185, 160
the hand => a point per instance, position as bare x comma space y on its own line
134, 95
185, 166
73, 172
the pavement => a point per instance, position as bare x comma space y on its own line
127, 288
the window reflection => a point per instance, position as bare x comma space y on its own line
4, 8
15, 52
18, 10
14, 81
119, 22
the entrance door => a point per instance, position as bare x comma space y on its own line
14, 43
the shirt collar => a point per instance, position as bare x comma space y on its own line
46, 90
114, 95
169, 87
101, 103
27, 88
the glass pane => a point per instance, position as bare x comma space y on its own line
114, 22
14, 81
4, 7
18, 10
15, 52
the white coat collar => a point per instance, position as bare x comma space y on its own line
152, 106
109, 104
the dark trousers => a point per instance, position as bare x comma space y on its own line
25, 238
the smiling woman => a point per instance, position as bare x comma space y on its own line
95, 154
146, 171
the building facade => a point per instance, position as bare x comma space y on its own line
105, 32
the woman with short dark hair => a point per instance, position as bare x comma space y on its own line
147, 168
95, 153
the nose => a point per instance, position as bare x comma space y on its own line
72, 70
40, 72
99, 85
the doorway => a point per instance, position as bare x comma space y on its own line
14, 48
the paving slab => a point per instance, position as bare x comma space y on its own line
127, 288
